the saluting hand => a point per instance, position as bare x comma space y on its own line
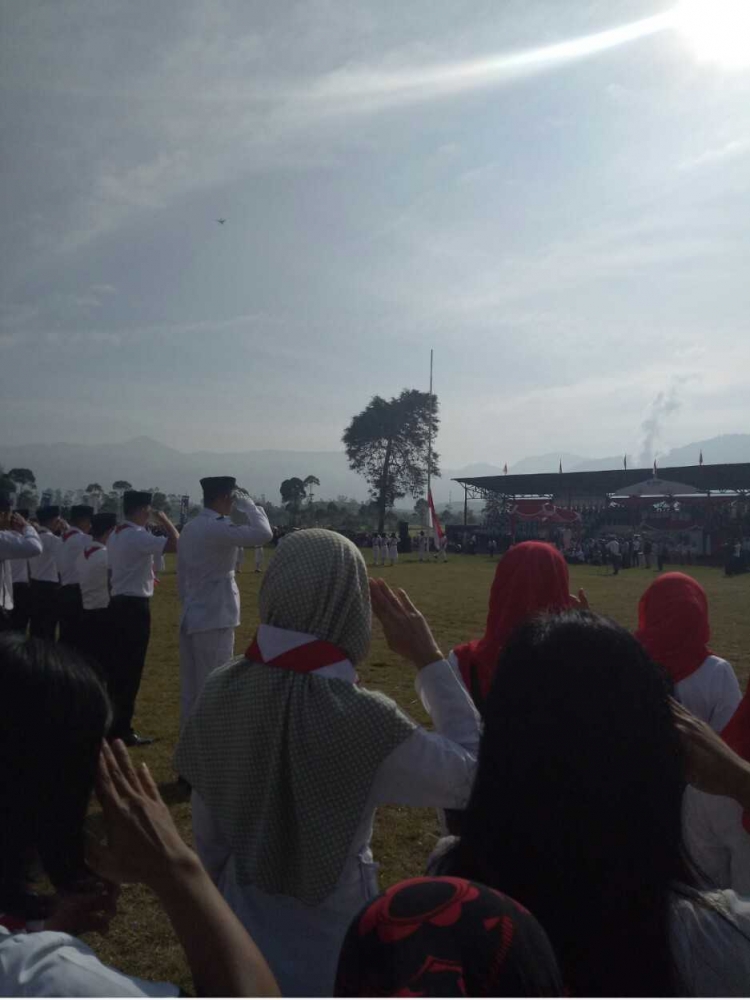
406, 630
712, 766
580, 603
17, 522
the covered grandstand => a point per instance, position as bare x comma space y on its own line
709, 502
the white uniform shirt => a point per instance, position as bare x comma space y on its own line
15, 548
74, 541
613, 547
393, 545
206, 563
44, 566
19, 570
716, 839
424, 543
53, 964
92, 569
131, 550
711, 692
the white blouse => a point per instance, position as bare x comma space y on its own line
716, 839
711, 692
430, 769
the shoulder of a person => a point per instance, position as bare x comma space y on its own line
52, 963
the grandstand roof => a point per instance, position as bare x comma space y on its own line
734, 476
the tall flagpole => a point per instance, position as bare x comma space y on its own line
429, 440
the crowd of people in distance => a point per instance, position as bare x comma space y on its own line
592, 786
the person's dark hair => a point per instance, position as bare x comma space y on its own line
576, 806
54, 714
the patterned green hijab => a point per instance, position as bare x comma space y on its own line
285, 761
317, 583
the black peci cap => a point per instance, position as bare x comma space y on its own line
218, 485
81, 510
46, 514
101, 523
132, 500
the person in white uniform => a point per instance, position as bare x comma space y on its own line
92, 567
376, 549
442, 551
674, 628
45, 575
280, 734
131, 550
18, 543
424, 547
74, 540
21, 614
393, 548
258, 558
205, 579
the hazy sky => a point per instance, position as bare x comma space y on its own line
568, 231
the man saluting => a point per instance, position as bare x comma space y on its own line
74, 541
131, 550
205, 579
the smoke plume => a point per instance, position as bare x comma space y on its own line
663, 406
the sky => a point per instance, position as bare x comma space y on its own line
566, 228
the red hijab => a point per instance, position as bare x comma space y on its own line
673, 624
736, 734
531, 578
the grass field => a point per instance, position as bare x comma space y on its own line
453, 596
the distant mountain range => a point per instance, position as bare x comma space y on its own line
147, 463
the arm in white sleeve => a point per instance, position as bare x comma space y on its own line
434, 768
15, 545
257, 531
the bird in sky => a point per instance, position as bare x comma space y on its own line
221, 221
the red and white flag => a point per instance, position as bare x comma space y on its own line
437, 530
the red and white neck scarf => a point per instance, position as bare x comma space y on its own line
300, 653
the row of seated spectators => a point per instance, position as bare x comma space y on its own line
600, 844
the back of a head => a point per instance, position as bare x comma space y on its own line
440, 937
576, 806
317, 583
673, 623
53, 716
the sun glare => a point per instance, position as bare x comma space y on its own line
718, 31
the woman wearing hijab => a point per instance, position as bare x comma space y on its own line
289, 757
530, 578
442, 937
674, 629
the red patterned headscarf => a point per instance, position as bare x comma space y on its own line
673, 624
446, 937
531, 578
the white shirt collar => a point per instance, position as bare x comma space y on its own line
275, 642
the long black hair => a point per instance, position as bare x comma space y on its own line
54, 714
576, 807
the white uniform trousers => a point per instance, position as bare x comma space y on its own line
258, 559
376, 555
200, 653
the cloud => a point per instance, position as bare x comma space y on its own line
718, 154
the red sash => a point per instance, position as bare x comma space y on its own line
69, 534
303, 659
121, 527
92, 550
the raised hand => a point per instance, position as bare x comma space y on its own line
711, 765
580, 603
406, 630
143, 844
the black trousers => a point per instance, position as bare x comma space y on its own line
70, 611
96, 641
44, 609
130, 629
21, 613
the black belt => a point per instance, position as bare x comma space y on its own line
129, 597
